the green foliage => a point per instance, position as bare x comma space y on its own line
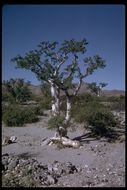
116, 103
118, 106
37, 109
16, 115
11, 180
54, 122
96, 116
73, 46
7, 97
101, 122
46, 61
96, 88
45, 103
18, 90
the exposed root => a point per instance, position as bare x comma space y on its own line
8, 140
66, 142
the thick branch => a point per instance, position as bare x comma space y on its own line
60, 64
78, 87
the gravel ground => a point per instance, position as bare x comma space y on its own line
97, 163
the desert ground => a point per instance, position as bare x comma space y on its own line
99, 162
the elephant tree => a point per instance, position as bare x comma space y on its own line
60, 68
96, 88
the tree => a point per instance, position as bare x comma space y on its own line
18, 89
96, 88
60, 67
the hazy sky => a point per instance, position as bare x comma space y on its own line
25, 26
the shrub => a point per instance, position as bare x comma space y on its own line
6, 97
38, 110
15, 115
101, 122
55, 121
45, 103
97, 117
80, 110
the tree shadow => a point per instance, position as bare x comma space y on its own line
111, 136
89, 136
26, 155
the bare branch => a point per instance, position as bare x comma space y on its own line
60, 64
78, 87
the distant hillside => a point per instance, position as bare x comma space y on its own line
113, 92
36, 90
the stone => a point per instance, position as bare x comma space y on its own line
12, 164
50, 180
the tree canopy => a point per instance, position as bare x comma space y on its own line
47, 59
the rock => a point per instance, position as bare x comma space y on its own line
50, 180
31, 173
12, 164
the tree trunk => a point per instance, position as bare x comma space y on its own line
98, 93
68, 115
55, 99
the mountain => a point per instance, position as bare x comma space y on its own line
36, 90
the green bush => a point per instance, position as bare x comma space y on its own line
6, 97
38, 110
55, 121
16, 115
101, 122
45, 103
80, 110
98, 118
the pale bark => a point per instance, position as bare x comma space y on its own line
68, 114
98, 93
69, 101
62, 140
55, 97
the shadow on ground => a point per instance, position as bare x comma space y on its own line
27, 155
112, 136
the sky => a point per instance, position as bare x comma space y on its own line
25, 26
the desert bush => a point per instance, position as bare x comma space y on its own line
98, 118
118, 104
38, 110
6, 97
18, 89
54, 122
84, 98
80, 109
16, 115
45, 103
101, 122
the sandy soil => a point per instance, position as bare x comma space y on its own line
96, 157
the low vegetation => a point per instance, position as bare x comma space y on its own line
95, 116
17, 115
94, 112
56, 121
